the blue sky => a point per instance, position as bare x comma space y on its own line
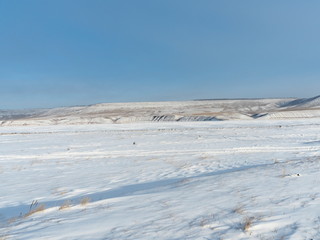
77, 52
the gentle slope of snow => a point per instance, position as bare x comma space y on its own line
178, 180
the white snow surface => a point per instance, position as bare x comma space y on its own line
167, 180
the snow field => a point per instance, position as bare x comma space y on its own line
203, 180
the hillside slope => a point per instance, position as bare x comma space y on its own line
207, 110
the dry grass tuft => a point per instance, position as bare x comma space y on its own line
40, 208
84, 201
66, 204
247, 223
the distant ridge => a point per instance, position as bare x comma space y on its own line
186, 111
304, 103
227, 99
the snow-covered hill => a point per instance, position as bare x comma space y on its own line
304, 103
208, 110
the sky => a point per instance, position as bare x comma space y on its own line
77, 52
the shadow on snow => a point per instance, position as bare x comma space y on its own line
124, 191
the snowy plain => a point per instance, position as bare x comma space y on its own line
256, 179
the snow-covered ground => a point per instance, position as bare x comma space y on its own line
256, 179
